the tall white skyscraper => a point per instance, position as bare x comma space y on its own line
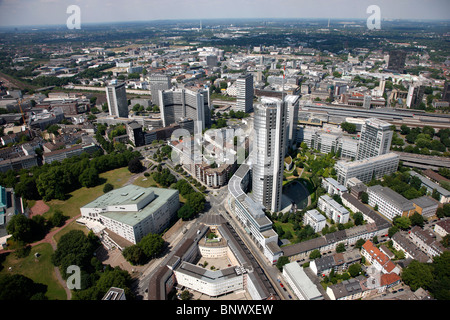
268, 153
376, 138
244, 85
117, 100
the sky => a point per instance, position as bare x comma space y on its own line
50, 12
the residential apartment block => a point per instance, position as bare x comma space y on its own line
378, 259
333, 210
314, 219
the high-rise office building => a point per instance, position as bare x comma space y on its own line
117, 100
397, 60
376, 138
415, 96
268, 153
292, 119
158, 82
180, 104
244, 85
446, 92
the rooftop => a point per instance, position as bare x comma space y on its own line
393, 197
131, 195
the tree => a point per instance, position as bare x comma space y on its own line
17, 287
315, 254
340, 247
402, 222
364, 197
134, 254
75, 248
108, 187
359, 218
19, 227
281, 262
417, 220
135, 166
355, 270
196, 201
186, 212
151, 245
348, 127
417, 275
58, 219
89, 178
185, 295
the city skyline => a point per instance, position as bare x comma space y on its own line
54, 12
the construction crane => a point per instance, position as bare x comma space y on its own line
21, 111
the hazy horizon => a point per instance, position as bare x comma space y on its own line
16, 13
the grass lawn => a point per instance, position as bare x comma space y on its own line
40, 270
82, 196
287, 227
71, 226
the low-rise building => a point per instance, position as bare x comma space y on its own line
378, 259
444, 194
390, 203
314, 219
426, 241
300, 283
333, 210
333, 187
425, 206
337, 262
442, 227
401, 242
132, 212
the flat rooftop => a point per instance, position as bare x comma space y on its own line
131, 194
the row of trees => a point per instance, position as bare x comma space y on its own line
25, 230
54, 181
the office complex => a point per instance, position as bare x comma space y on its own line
135, 133
390, 203
376, 138
252, 215
117, 100
415, 96
244, 101
177, 105
367, 169
158, 82
292, 119
397, 59
268, 153
326, 141
132, 212
446, 92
